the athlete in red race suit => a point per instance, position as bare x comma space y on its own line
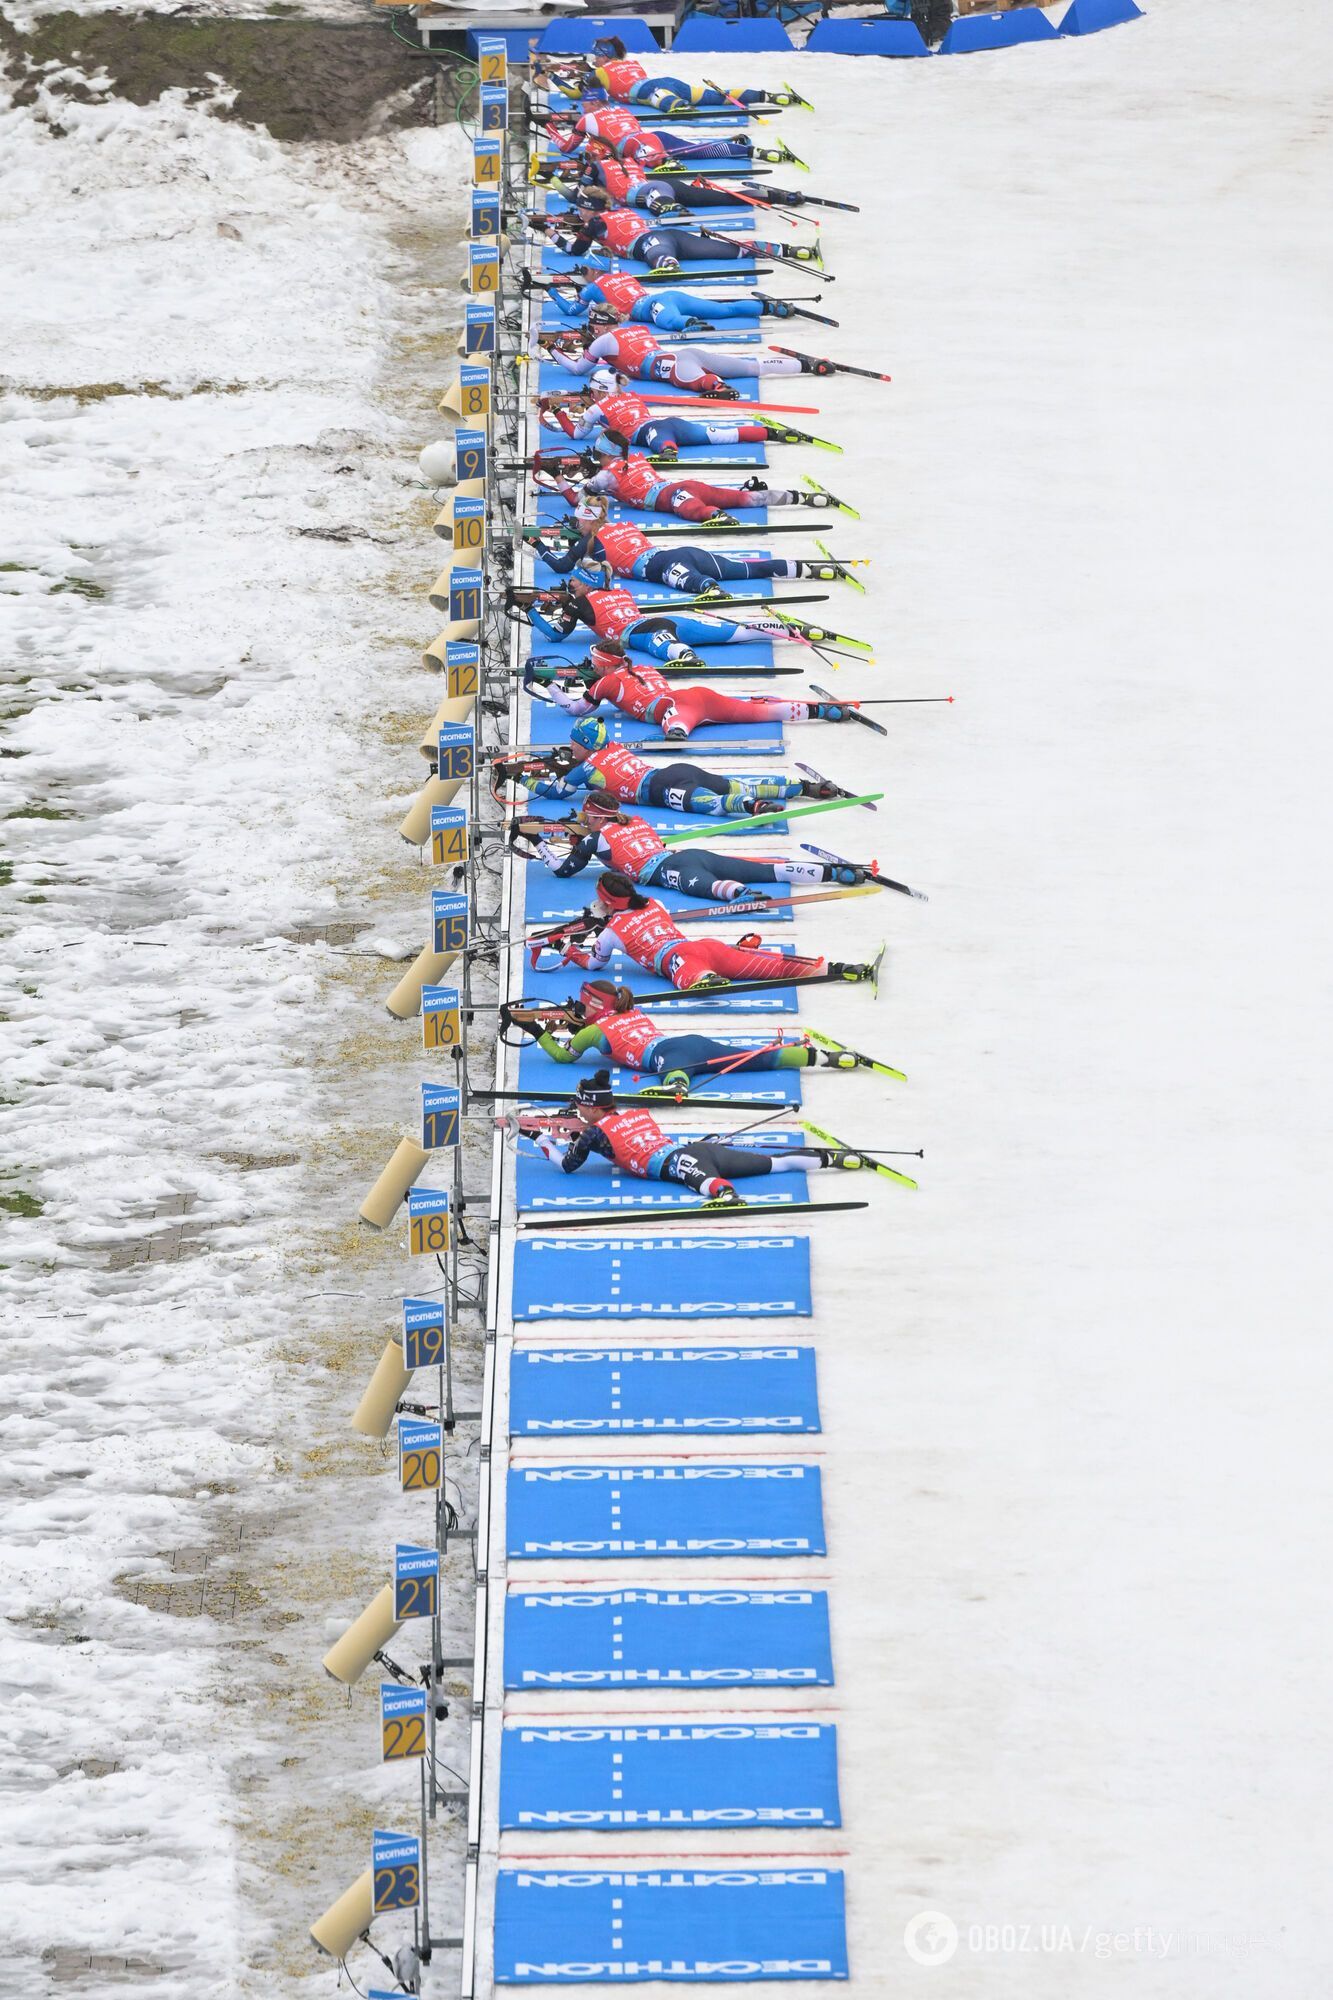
634, 1141
638, 926
644, 694
635, 481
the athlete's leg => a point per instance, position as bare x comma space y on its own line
674, 569
740, 962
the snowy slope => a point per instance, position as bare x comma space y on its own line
211, 618
1073, 1398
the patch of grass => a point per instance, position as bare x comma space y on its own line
101, 392
6, 874
32, 899
82, 586
22, 1204
39, 812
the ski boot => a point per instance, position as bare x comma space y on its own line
713, 588
847, 876
855, 975
720, 521
802, 253
707, 982
811, 364
779, 156
840, 1156
819, 496
839, 1058
788, 98
822, 788
775, 308
727, 1197
830, 571
784, 434
674, 1087
724, 393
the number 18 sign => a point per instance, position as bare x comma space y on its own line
427, 1221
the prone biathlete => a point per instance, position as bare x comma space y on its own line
645, 695
596, 175
624, 232
600, 830
622, 418
624, 920
603, 1023
625, 81
590, 762
636, 482
633, 351
602, 549
617, 614
633, 1141
588, 292
616, 125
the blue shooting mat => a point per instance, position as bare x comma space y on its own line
550, 378
683, 1509
538, 1071
641, 1391
673, 1922
550, 507
623, 1777
556, 261
663, 820
551, 438
549, 898
545, 1189
554, 985
549, 724
660, 596
696, 1639
554, 321
719, 217
653, 1277
755, 653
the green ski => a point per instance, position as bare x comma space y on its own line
859, 1061
889, 1173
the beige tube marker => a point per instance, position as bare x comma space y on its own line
427, 969
415, 826
375, 1412
347, 1919
348, 1657
456, 709
467, 489
386, 1197
457, 628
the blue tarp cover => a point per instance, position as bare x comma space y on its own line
688, 1508
585, 1391
676, 1638
705, 1274
673, 1922
781, 1772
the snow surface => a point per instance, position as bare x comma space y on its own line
1074, 1393
211, 608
